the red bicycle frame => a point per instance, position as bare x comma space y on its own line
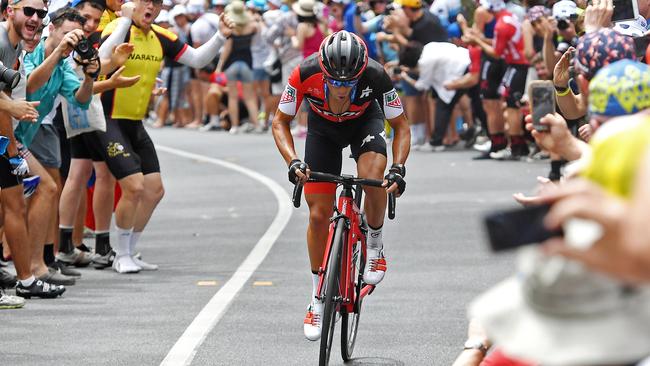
346, 210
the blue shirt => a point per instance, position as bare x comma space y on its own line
63, 81
348, 18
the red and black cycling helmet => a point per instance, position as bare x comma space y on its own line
343, 56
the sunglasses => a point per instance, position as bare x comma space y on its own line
339, 83
29, 11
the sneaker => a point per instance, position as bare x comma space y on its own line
260, 128
76, 257
125, 264
56, 278
313, 323
144, 265
375, 267
483, 147
503, 154
432, 148
482, 156
40, 289
233, 130
30, 184
10, 302
210, 126
248, 127
7, 280
63, 269
103, 261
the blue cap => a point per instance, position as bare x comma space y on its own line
619, 89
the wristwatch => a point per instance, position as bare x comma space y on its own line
475, 344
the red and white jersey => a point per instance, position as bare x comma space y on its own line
307, 81
509, 39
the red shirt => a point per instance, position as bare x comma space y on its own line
475, 58
509, 39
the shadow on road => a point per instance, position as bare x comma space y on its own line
374, 361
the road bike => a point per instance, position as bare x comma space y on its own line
341, 285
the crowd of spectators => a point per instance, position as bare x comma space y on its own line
463, 71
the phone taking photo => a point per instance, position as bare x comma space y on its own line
625, 10
510, 229
542, 98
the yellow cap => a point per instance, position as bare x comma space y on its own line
410, 3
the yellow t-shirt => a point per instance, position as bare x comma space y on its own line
149, 51
618, 149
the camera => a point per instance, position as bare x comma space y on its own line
85, 50
397, 70
8, 76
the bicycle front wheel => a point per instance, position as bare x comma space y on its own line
350, 321
332, 292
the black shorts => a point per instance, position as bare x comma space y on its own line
127, 148
514, 84
85, 146
492, 71
326, 139
7, 179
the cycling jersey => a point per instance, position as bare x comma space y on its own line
509, 39
307, 81
149, 51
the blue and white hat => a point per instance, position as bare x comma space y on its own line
632, 28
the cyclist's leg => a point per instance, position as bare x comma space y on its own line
369, 149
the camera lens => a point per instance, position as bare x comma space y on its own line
562, 24
9, 76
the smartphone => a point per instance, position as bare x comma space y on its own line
509, 229
542, 101
641, 46
625, 10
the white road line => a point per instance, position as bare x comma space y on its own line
187, 345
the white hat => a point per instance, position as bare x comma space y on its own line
304, 8
632, 28
163, 17
220, 2
564, 9
195, 6
556, 312
168, 3
276, 3
493, 5
177, 10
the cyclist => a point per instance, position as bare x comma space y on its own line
347, 94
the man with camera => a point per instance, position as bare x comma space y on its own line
23, 20
49, 74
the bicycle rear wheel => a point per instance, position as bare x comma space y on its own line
350, 321
332, 292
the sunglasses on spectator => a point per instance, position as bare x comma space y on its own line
29, 11
340, 83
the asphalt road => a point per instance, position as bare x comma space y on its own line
213, 216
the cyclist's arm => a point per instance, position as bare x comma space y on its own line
282, 136
402, 138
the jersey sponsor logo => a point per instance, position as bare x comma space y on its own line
340, 115
145, 57
366, 92
289, 95
315, 92
391, 99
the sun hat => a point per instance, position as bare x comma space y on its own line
620, 88
493, 5
304, 8
598, 49
276, 3
236, 10
555, 312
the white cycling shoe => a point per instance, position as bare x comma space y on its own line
313, 324
125, 264
375, 268
144, 265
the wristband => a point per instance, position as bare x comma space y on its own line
564, 92
399, 169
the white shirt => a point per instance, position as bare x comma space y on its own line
439, 63
204, 28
